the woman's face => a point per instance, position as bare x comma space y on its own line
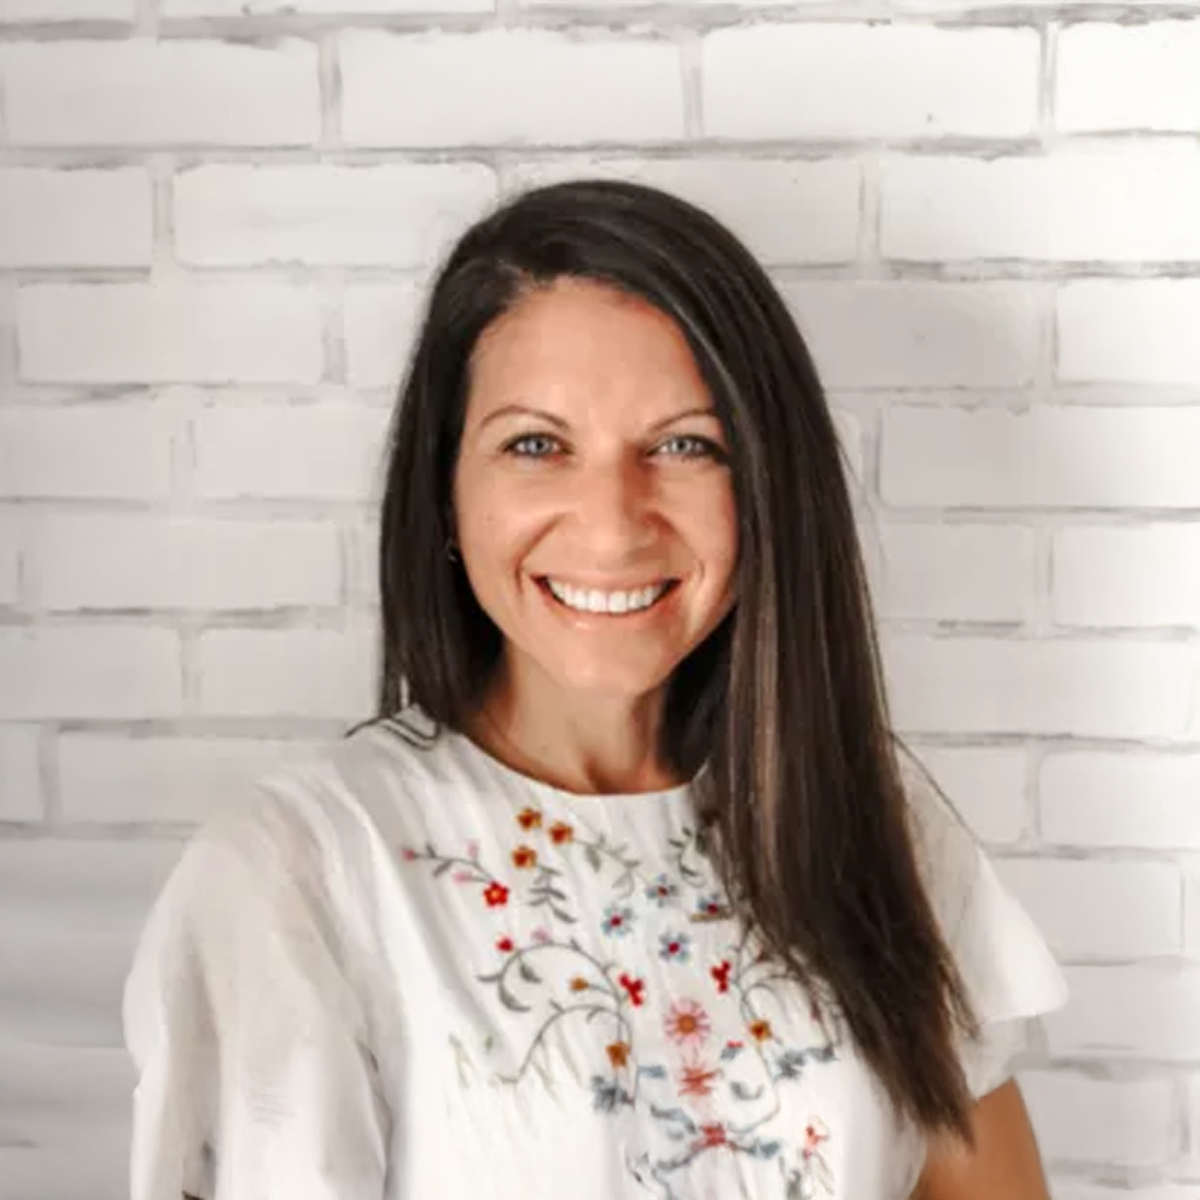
593, 505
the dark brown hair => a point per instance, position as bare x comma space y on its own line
802, 797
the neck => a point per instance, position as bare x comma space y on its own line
575, 741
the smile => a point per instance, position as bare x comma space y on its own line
591, 600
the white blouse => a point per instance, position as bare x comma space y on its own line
405, 971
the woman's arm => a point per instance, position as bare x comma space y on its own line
1004, 1165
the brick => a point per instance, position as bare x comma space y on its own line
254, 8
1089, 689
173, 92
1192, 1134
381, 325
51, 1093
10, 558
106, 778
850, 438
89, 671
279, 452
957, 572
75, 218
1077, 457
925, 82
1101, 910
109, 451
81, 887
1078, 1119
1141, 801
1155, 63
68, 1165
254, 332
1191, 932
20, 774
407, 90
919, 334
67, 10
1143, 575
363, 566
986, 785
286, 673
122, 562
1131, 202
787, 212
400, 216
1140, 332
1121, 1012
63, 989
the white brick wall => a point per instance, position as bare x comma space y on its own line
217, 220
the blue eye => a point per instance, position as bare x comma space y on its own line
689, 446
532, 445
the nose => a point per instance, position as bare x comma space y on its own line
613, 510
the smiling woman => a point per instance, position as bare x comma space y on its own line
628, 889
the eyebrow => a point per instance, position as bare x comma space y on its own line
522, 410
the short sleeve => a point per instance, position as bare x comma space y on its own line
1009, 972
255, 1081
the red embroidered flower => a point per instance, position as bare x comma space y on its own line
720, 974
618, 1054
524, 857
712, 1135
687, 1023
496, 894
529, 818
505, 945
814, 1135
561, 833
760, 1030
697, 1080
408, 854
635, 989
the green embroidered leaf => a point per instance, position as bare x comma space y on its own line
528, 973
510, 1001
593, 857
442, 868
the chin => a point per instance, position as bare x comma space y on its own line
607, 678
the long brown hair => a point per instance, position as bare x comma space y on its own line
784, 703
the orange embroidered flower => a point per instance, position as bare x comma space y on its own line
760, 1030
697, 1080
618, 1054
561, 833
496, 894
524, 857
579, 984
529, 818
687, 1022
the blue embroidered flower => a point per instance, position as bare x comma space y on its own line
618, 920
662, 891
675, 947
710, 906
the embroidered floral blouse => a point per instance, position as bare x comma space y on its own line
405, 972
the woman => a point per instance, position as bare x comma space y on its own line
628, 891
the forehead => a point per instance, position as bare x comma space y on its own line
577, 342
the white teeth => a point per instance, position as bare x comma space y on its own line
591, 600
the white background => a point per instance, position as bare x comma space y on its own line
216, 219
